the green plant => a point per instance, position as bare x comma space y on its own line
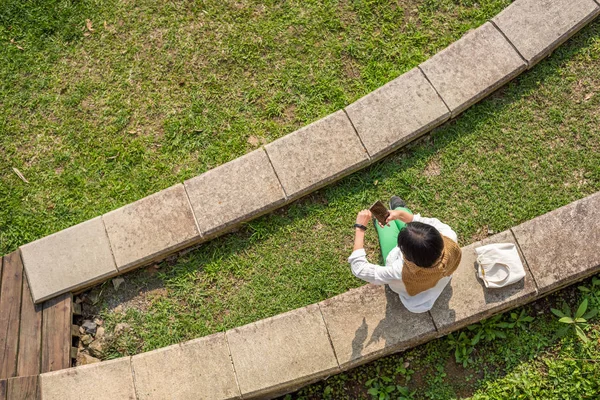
520, 320
463, 346
578, 320
489, 329
383, 387
592, 293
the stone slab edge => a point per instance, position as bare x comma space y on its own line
73, 288
553, 46
333, 177
484, 93
235, 223
500, 308
288, 386
158, 256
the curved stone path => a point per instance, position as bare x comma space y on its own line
307, 159
280, 354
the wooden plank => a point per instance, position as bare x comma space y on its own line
3, 389
10, 310
30, 337
23, 388
56, 333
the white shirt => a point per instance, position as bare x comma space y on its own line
391, 274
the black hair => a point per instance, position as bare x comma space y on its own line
421, 243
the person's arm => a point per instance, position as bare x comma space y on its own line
361, 268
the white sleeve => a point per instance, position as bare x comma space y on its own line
437, 224
372, 273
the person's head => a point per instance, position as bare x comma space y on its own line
420, 243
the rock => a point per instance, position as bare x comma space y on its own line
100, 333
121, 327
92, 298
406, 364
117, 282
95, 348
86, 340
89, 326
84, 359
98, 321
81, 330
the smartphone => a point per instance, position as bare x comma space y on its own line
380, 211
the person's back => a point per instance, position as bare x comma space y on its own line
420, 256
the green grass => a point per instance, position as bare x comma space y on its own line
168, 90
161, 91
527, 150
531, 362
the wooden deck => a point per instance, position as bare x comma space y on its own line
33, 338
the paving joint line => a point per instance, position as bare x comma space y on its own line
511, 43
357, 135
135, 390
237, 382
329, 336
110, 246
436, 92
537, 287
187, 196
276, 174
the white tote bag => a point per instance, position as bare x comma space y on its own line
499, 265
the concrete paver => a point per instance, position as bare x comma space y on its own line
563, 246
473, 67
397, 112
536, 27
466, 299
199, 369
151, 228
317, 154
369, 322
234, 192
107, 380
76, 257
279, 354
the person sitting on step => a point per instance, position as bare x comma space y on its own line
420, 255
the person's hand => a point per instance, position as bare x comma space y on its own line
401, 215
363, 217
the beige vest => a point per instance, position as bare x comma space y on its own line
418, 279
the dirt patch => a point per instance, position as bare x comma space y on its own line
139, 291
256, 141
433, 167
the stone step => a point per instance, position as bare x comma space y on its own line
473, 67
396, 113
537, 27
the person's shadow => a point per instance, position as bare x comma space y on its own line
398, 327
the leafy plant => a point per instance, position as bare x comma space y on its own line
520, 320
578, 320
593, 292
489, 329
383, 387
463, 346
